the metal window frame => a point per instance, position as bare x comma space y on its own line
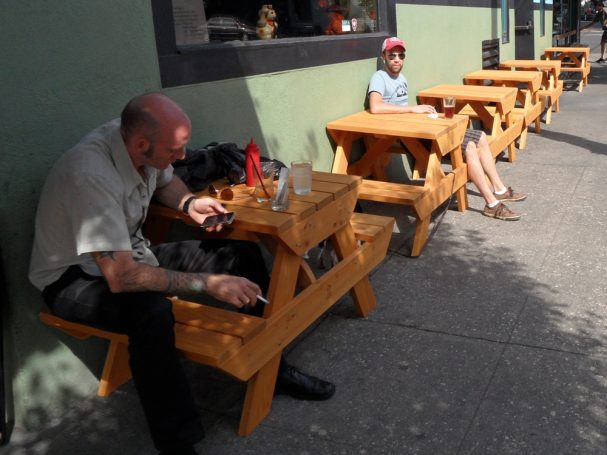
505, 15
542, 17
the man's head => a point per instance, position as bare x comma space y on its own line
155, 130
393, 55
599, 5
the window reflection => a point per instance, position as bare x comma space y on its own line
214, 21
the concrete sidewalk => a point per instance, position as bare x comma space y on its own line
493, 341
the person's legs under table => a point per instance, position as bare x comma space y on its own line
146, 318
241, 258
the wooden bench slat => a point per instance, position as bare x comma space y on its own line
368, 227
395, 193
205, 346
217, 320
79, 331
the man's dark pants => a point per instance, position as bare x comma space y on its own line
147, 319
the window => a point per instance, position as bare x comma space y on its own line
200, 41
505, 22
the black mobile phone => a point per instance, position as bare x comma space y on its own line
222, 218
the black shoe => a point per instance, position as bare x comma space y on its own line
601, 60
302, 386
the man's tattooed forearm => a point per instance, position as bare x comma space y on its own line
186, 282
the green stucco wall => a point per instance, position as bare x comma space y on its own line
69, 66
285, 113
66, 66
542, 42
443, 44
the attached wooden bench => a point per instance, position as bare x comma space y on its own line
570, 67
235, 343
421, 201
533, 114
550, 99
203, 334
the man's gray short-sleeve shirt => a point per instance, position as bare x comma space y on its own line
93, 200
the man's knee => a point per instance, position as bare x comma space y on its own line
483, 142
470, 152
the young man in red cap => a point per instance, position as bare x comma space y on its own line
388, 94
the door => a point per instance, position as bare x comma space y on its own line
523, 30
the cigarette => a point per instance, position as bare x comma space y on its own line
264, 300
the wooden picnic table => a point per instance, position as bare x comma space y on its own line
247, 347
551, 88
479, 98
428, 139
528, 83
573, 60
297, 298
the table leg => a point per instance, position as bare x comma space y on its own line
260, 388
376, 151
342, 152
538, 120
491, 123
547, 105
258, 399
423, 210
378, 168
421, 236
457, 163
420, 154
511, 146
345, 244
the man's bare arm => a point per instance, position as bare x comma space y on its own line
377, 105
173, 194
124, 274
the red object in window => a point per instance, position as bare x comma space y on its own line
334, 27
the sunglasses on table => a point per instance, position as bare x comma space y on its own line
225, 194
400, 55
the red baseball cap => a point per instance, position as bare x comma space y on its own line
391, 43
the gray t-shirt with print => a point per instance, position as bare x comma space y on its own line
394, 90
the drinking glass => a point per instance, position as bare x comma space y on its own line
449, 106
264, 182
302, 176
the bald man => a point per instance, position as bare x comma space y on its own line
93, 265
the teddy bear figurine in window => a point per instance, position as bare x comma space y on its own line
267, 25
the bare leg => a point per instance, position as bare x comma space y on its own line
476, 173
488, 164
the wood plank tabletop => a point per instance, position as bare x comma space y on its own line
533, 79
542, 65
505, 97
568, 50
397, 125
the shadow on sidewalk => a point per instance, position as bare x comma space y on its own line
578, 141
